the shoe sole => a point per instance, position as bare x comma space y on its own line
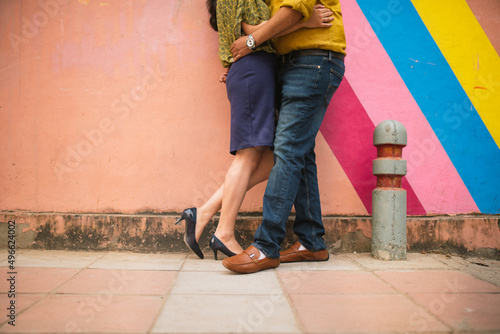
306, 260
246, 272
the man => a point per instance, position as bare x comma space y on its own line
311, 70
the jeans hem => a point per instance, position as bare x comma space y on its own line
263, 251
312, 249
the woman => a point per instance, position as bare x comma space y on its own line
250, 84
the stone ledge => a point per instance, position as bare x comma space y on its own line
477, 235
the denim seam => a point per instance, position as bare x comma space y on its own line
336, 73
338, 62
315, 66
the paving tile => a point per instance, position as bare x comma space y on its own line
366, 313
123, 282
333, 282
436, 281
485, 269
22, 302
4, 256
226, 314
414, 261
36, 280
57, 258
457, 261
139, 261
226, 283
208, 255
95, 314
194, 263
468, 311
336, 262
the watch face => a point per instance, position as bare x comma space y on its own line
250, 43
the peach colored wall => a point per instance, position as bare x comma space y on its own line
114, 106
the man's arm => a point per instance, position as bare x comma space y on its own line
284, 18
320, 18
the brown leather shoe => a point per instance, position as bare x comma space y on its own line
293, 254
248, 262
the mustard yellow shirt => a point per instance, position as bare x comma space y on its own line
230, 14
332, 38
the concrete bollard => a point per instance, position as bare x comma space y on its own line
389, 199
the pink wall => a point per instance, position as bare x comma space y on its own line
114, 106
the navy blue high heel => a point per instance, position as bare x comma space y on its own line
217, 245
189, 215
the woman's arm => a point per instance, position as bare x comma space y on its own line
223, 76
284, 18
250, 29
320, 18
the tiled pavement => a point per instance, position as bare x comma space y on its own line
119, 292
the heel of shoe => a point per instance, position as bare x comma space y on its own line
178, 221
182, 217
212, 246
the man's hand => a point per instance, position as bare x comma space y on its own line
239, 49
320, 18
283, 19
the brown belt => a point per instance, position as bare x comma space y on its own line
313, 52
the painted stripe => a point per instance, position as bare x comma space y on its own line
332, 176
486, 13
439, 95
349, 132
370, 73
469, 53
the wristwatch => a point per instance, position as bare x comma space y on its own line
251, 42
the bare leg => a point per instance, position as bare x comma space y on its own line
214, 203
207, 211
235, 188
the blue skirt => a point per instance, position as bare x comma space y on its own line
251, 84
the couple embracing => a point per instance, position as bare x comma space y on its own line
278, 54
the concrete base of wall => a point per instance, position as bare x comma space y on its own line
477, 235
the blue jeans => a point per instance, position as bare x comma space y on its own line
306, 85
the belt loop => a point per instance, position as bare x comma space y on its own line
330, 54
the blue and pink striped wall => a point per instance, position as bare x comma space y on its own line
430, 65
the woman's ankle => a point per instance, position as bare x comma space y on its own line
202, 220
224, 234
229, 240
